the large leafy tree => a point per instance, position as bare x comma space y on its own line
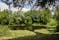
19, 3
42, 3
39, 16
57, 17
4, 17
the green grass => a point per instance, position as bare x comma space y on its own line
21, 33
43, 31
7, 33
17, 33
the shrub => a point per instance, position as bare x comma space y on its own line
4, 22
4, 15
52, 22
34, 15
38, 16
28, 20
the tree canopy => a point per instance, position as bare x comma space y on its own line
32, 3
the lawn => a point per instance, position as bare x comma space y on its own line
17, 33
44, 31
10, 34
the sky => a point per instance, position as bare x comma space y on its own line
3, 6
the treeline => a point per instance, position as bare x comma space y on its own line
29, 17
42, 17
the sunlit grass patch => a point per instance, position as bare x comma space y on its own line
17, 33
21, 33
43, 31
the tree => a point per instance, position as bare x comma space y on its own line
33, 3
44, 2
19, 3
57, 18
39, 16
4, 17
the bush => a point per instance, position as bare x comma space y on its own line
45, 16
52, 22
41, 17
34, 15
28, 21
52, 25
4, 15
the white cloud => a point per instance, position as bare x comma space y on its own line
24, 9
3, 6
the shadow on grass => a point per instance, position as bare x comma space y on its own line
38, 36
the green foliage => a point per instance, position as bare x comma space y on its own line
4, 17
33, 15
56, 15
52, 22
28, 20
39, 16
4, 30
45, 16
42, 17
57, 18
43, 3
